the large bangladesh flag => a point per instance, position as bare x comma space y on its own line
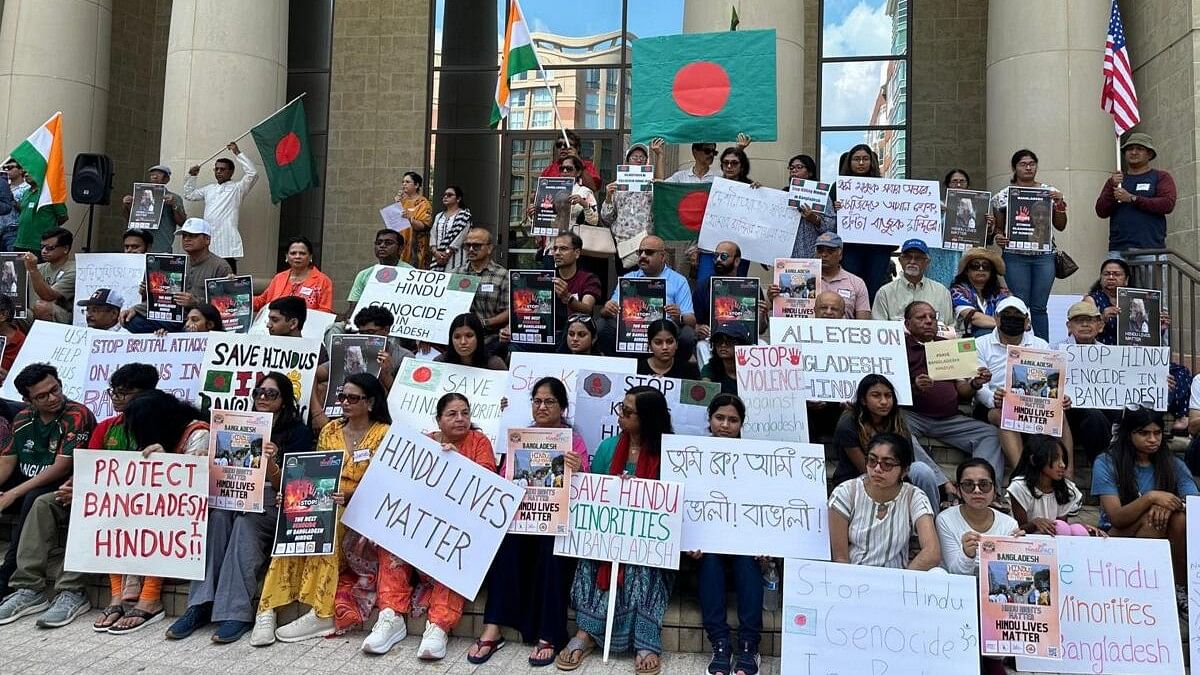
284, 146
704, 87
679, 209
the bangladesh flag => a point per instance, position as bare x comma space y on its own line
679, 210
704, 87
284, 146
219, 381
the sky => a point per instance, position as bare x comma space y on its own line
562, 17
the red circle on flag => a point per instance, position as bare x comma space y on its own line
691, 209
287, 149
701, 88
422, 375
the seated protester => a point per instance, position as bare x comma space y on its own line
1090, 427
36, 455
663, 359
467, 347
580, 336
14, 337
976, 291
102, 311
52, 283
894, 296
203, 318
576, 290
1142, 488
829, 305
874, 411
823, 416
367, 561
722, 365
642, 592
873, 517
935, 403
286, 317
1043, 499
652, 263
196, 235
313, 579
727, 259
302, 279
527, 585
1193, 451
726, 413
378, 321
490, 305
136, 240
239, 542
960, 527
388, 246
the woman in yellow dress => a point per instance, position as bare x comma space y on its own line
419, 211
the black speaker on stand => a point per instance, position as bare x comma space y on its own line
91, 184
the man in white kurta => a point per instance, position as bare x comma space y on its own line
222, 202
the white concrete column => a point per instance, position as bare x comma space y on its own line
54, 56
226, 70
768, 161
1043, 93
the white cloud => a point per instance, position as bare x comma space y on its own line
848, 92
866, 31
849, 89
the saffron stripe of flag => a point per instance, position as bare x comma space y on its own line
519, 56
41, 156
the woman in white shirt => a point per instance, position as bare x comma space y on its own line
960, 527
449, 230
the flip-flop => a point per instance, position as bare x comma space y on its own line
648, 670
492, 646
146, 617
564, 661
101, 625
541, 663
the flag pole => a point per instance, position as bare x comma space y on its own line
554, 104
247, 132
1117, 142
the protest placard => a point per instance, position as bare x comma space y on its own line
1018, 597
598, 402
748, 497
1108, 377
1027, 219
122, 272
14, 282
552, 206
350, 354
145, 213
234, 299
138, 515
1033, 391
889, 211
640, 302
635, 177
165, 273
234, 363
237, 474
423, 302
771, 383
964, 222
395, 218
1193, 577
840, 618
797, 280
733, 305
307, 513
62, 346
436, 510
838, 353
535, 461
419, 384
756, 219
531, 307
1116, 608
1139, 317
811, 194
627, 520
176, 356
951, 359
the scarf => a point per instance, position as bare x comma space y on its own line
647, 467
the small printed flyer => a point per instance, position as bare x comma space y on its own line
1018, 589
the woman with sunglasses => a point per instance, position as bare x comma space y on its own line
579, 336
812, 223
448, 231
467, 346
871, 262
977, 290
628, 214
313, 579
239, 542
664, 346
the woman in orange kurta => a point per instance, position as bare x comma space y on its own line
419, 212
302, 279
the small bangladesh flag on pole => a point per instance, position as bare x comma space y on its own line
283, 143
679, 210
705, 87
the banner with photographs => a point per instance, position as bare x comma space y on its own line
145, 213
307, 514
350, 354
234, 299
1018, 597
810, 194
237, 474
165, 273
1139, 317
1028, 219
1033, 391
536, 461
964, 222
552, 206
14, 282
640, 301
797, 280
733, 305
531, 307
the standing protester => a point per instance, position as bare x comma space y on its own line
172, 214
196, 235
627, 213
872, 262
571, 147
223, 202
388, 246
53, 281
13, 182
812, 223
419, 212
449, 229
34, 223
1137, 201
491, 298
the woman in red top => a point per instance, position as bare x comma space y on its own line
13, 337
302, 279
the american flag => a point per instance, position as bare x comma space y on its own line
1118, 97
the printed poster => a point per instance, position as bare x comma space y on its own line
14, 282
237, 474
1139, 317
811, 194
552, 208
797, 280
952, 359
1033, 391
1028, 219
234, 299
733, 303
536, 461
531, 307
146, 211
640, 302
307, 514
1018, 597
165, 273
635, 178
350, 354
964, 222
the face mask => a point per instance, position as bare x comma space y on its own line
1012, 325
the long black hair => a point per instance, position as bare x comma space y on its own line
158, 417
479, 357
1041, 451
654, 417
373, 390
1124, 456
872, 169
991, 287
289, 410
809, 163
1016, 158
893, 423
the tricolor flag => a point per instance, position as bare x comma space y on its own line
1118, 97
519, 56
41, 156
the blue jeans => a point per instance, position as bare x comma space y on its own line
747, 583
869, 261
1029, 278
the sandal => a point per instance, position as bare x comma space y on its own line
103, 623
492, 646
542, 645
146, 618
644, 669
565, 660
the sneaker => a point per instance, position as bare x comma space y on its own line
264, 629
22, 603
66, 606
720, 662
306, 627
747, 660
433, 643
389, 630
1181, 599
195, 617
231, 631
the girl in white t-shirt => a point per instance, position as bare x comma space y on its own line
1043, 499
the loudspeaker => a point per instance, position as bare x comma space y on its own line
91, 182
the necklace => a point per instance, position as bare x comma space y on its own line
352, 437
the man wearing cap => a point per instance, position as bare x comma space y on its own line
103, 310
223, 202
1091, 427
172, 214
912, 285
849, 286
1137, 202
203, 264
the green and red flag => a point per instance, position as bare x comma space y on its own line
286, 152
679, 210
705, 87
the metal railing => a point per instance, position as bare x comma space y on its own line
1179, 279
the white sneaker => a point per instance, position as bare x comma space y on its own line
306, 627
389, 630
433, 643
264, 629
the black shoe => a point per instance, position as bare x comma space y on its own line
720, 662
195, 617
747, 660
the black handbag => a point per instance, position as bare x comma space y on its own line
1064, 264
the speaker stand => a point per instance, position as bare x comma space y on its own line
87, 248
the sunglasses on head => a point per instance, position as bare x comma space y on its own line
581, 318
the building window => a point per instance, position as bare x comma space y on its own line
516, 119
517, 99
541, 119
541, 95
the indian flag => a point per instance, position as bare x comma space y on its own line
518, 57
41, 156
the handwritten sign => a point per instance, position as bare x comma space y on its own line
840, 618
1193, 576
177, 357
756, 219
1117, 608
838, 353
601, 395
419, 384
438, 510
628, 520
889, 211
1033, 391
1018, 597
423, 302
122, 272
62, 346
138, 515
951, 359
1108, 377
747, 497
771, 383
234, 363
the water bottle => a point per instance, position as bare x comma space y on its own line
771, 597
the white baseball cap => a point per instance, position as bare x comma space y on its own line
195, 226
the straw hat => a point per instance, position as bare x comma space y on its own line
980, 253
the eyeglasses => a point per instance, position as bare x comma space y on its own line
352, 399
545, 402
1026, 165
722, 256
560, 144
567, 167
981, 266
730, 162
649, 251
887, 464
50, 247
264, 393
861, 160
472, 245
55, 391
983, 486
121, 393
795, 167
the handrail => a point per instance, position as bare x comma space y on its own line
1178, 278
